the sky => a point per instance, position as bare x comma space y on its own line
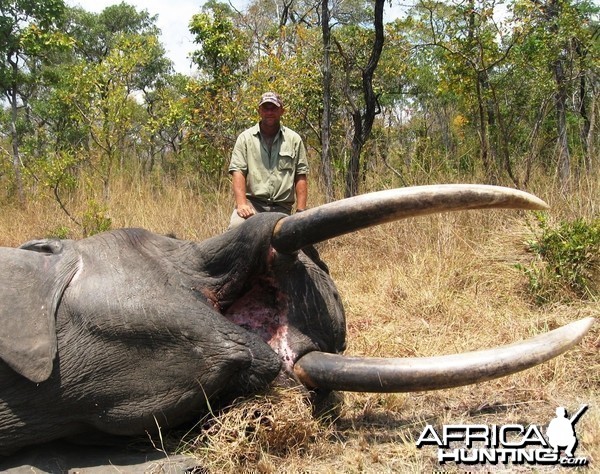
173, 20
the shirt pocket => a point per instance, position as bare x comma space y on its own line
286, 161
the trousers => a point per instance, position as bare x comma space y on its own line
259, 206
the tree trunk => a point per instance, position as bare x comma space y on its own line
562, 143
586, 116
326, 166
560, 102
363, 122
589, 159
484, 142
353, 171
16, 158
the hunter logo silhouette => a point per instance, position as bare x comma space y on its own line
561, 430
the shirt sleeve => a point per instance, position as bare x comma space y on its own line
302, 166
239, 156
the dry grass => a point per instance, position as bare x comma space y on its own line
260, 433
433, 285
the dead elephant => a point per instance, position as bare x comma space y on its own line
126, 331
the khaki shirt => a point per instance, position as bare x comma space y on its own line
270, 174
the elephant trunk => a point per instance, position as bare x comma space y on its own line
362, 374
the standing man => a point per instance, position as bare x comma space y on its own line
268, 165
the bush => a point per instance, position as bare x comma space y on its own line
95, 219
567, 263
60, 232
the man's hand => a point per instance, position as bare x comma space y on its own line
245, 210
243, 207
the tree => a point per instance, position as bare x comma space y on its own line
27, 32
472, 48
96, 34
326, 166
363, 107
223, 48
559, 38
96, 101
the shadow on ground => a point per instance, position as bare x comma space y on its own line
62, 457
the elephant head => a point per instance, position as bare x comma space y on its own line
129, 331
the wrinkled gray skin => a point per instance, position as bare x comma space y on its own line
127, 330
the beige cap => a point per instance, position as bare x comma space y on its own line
271, 97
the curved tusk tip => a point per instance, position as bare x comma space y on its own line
534, 203
581, 327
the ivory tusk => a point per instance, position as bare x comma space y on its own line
363, 374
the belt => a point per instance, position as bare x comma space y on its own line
271, 203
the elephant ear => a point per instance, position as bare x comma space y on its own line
32, 281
